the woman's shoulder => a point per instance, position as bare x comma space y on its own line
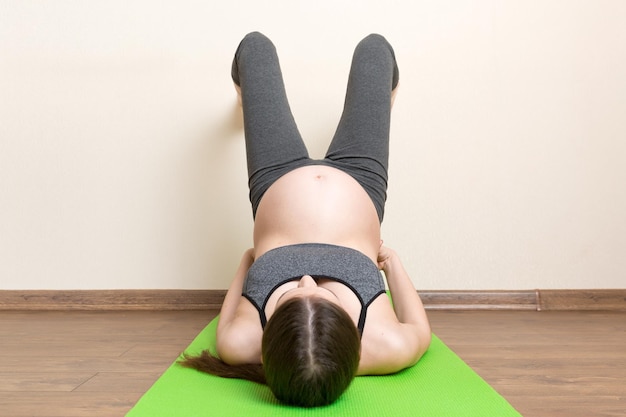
387, 346
239, 340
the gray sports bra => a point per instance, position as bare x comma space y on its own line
347, 266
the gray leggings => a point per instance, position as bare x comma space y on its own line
274, 146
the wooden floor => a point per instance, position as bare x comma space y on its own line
66, 364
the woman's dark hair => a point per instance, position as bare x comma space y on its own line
311, 351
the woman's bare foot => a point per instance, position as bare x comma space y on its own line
238, 94
393, 94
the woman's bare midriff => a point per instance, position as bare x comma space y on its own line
317, 204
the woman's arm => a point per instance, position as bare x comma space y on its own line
412, 339
238, 330
233, 295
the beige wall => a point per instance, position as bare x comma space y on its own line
122, 160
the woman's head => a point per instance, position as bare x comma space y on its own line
311, 350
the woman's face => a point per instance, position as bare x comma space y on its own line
307, 287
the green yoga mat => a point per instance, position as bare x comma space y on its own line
441, 384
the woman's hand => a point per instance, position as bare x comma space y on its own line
385, 254
413, 329
249, 256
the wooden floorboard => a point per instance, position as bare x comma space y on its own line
545, 363
97, 363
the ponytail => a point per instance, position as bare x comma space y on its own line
206, 362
